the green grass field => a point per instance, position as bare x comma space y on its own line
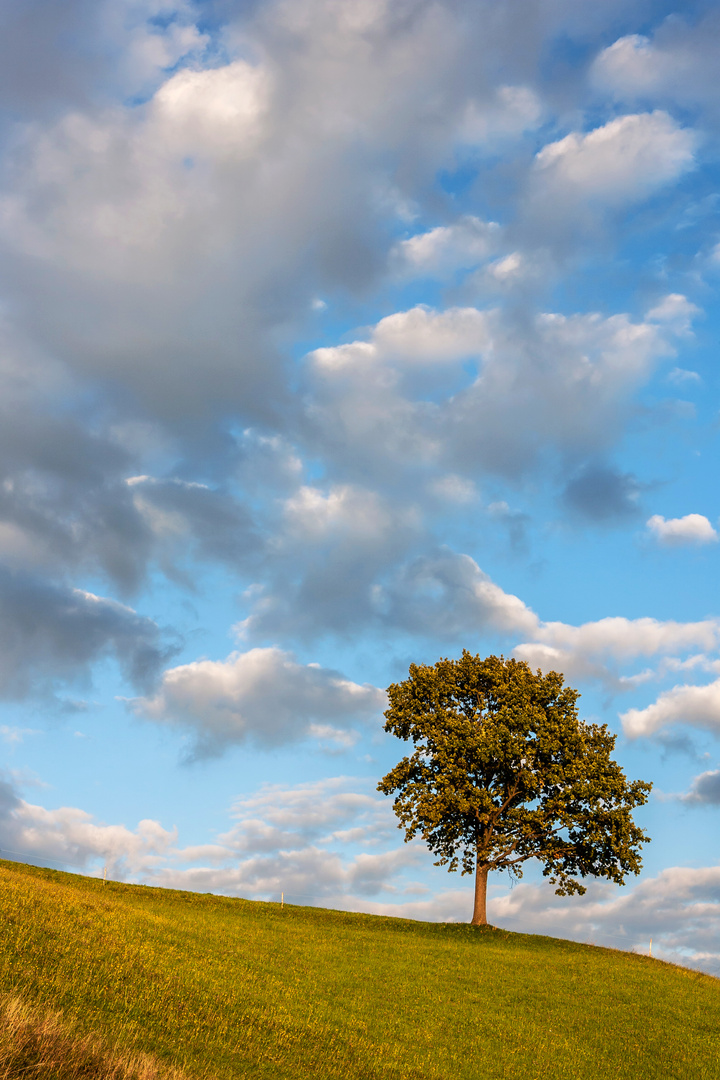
224, 987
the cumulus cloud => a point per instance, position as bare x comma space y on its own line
690, 529
313, 515
325, 559
63, 500
319, 812
445, 595
72, 838
69, 501
162, 242
510, 270
674, 310
696, 706
159, 249
443, 250
673, 65
705, 789
331, 841
632, 66
558, 382
174, 201
51, 635
678, 909
449, 595
618, 163
600, 650
512, 111
417, 336
184, 514
211, 208
263, 696
305, 876
216, 111
234, 193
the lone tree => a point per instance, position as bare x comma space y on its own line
504, 770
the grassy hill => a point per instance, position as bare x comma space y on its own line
220, 987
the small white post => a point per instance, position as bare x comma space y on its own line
282, 899
104, 873
650, 949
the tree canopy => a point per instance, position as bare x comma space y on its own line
504, 770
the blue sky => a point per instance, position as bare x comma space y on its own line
337, 336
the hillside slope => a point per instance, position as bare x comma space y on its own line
224, 987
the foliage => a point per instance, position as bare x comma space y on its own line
504, 770
226, 988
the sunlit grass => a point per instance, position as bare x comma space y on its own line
43, 1045
223, 987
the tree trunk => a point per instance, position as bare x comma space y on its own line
480, 909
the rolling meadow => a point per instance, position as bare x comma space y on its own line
127, 982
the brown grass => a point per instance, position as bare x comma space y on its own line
40, 1045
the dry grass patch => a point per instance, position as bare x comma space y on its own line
38, 1045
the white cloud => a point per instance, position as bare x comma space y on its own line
675, 311
675, 66
422, 335
550, 381
509, 268
147, 39
449, 595
311, 812
417, 336
599, 650
632, 66
678, 909
332, 841
690, 529
217, 110
445, 595
305, 876
696, 706
620, 162
72, 837
447, 248
313, 516
325, 557
263, 696
512, 111
161, 224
